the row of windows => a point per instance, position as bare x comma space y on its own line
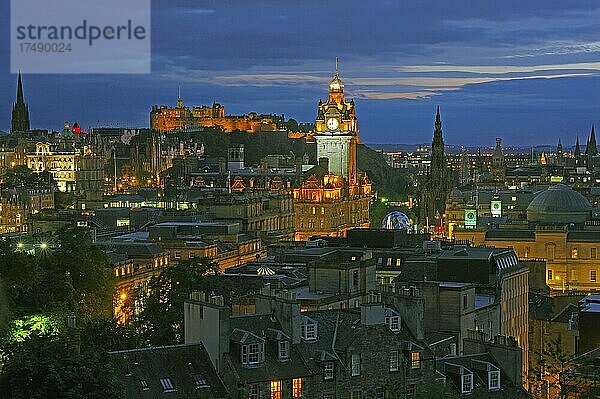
574, 275
275, 389
356, 364
167, 384
575, 253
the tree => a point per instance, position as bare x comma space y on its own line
162, 316
45, 366
22, 176
551, 362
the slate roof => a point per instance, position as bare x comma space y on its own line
179, 363
474, 363
262, 326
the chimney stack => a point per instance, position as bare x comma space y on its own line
324, 163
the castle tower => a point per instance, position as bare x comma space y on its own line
336, 131
20, 111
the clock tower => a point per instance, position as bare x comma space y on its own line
336, 132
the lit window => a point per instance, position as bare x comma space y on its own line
394, 361
200, 381
328, 371
276, 389
144, 385
592, 275
253, 392
284, 350
355, 365
355, 394
167, 384
398, 262
415, 360
494, 379
549, 274
574, 253
297, 388
467, 383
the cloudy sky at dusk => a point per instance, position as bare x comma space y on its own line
527, 71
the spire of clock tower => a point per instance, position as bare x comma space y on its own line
336, 85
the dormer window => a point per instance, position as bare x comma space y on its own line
253, 353
392, 319
284, 350
494, 380
309, 329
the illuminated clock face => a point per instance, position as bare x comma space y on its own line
332, 123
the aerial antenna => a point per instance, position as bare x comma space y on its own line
336, 66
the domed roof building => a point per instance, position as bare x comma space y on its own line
559, 204
456, 196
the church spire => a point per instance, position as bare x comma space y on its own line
592, 149
20, 112
577, 151
438, 139
20, 98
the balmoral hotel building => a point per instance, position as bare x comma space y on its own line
333, 197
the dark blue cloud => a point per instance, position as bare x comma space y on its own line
208, 45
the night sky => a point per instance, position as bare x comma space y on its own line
527, 71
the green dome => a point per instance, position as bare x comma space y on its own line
559, 204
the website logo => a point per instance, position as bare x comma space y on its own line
80, 36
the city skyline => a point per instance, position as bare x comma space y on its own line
535, 63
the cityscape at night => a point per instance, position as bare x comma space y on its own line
305, 200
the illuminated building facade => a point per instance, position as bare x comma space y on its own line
166, 119
333, 197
